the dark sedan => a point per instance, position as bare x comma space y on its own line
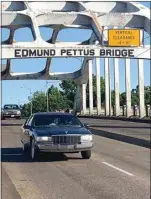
55, 132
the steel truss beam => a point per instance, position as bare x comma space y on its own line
60, 15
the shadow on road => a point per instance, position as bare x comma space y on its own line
11, 124
16, 155
123, 138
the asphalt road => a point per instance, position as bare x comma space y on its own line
116, 170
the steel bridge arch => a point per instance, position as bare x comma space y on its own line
61, 15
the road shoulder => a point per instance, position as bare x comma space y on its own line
8, 189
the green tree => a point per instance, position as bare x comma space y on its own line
122, 98
113, 97
39, 103
56, 99
68, 91
64, 98
25, 110
135, 96
147, 91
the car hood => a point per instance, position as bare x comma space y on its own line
61, 131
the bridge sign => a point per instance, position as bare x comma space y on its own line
123, 38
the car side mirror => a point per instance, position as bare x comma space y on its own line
86, 125
26, 126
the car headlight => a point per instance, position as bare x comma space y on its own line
18, 112
85, 138
44, 138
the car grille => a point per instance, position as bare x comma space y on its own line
11, 112
66, 139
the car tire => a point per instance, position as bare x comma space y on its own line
33, 150
86, 154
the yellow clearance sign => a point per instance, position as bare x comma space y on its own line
124, 37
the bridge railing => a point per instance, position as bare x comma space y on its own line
134, 112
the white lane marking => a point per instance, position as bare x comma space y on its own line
110, 165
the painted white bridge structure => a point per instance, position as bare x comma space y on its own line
97, 16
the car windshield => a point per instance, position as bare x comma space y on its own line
56, 120
11, 106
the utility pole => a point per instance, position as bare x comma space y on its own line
30, 98
47, 101
31, 104
47, 95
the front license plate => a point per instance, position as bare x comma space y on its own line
66, 147
12, 115
47, 146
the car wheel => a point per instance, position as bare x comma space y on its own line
33, 150
86, 154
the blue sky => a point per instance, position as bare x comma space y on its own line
18, 90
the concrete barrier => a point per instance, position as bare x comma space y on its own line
131, 119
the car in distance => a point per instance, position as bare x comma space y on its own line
11, 111
55, 132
